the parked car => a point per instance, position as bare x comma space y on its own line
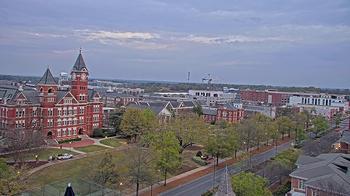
64, 156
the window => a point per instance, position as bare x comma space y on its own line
50, 112
69, 131
50, 99
67, 100
64, 132
314, 193
20, 113
58, 132
95, 117
50, 122
74, 131
301, 184
96, 108
82, 110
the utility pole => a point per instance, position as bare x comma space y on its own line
188, 77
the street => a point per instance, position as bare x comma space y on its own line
201, 185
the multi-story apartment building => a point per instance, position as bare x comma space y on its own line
321, 104
229, 112
271, 97
58, 114
211, 97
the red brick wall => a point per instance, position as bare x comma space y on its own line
255, 96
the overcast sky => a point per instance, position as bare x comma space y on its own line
293, 43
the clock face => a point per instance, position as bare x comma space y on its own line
83, 76
74, 76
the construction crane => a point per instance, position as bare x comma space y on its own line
207, 79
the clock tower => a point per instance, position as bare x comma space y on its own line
79, 77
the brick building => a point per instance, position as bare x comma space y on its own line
326, 174
59, 114
227, 112
274, 98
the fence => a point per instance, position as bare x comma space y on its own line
80, 187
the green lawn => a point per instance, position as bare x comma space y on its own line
75, 169
91, 148
43, 154
113, 142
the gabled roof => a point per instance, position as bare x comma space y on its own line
11, 93
79, 63
47, 78
345, 137
92, 93
209, 111
303, 160
330, 170
157, 107
229, 106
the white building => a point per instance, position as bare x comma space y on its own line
212, 97
325, 105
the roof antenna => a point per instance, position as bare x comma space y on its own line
80, 50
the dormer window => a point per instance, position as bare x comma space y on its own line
50, 90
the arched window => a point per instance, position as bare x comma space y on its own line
50, 90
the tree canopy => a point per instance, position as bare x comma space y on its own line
249, 184
136, 122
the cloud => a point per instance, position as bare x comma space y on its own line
45, 35
231, 39
136, 40
117, 35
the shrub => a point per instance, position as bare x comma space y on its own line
282, 190
69, 140
199, 161
97, 133
103, 133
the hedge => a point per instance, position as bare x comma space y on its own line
199, 161
69, 140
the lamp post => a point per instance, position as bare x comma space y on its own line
36, 158
120, 184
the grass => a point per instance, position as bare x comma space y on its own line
43, 154
91, 148
113, 142
75, 169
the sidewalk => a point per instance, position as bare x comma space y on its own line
201, 171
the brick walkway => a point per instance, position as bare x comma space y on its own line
199, 172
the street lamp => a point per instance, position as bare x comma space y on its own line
120, 184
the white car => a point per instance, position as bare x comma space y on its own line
64, 156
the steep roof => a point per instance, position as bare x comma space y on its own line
47, 78
331, 170
156, 106
79, 63
345, 137
11, 93
209, 111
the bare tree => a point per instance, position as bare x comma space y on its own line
20, 140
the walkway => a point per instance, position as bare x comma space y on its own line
191, 176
